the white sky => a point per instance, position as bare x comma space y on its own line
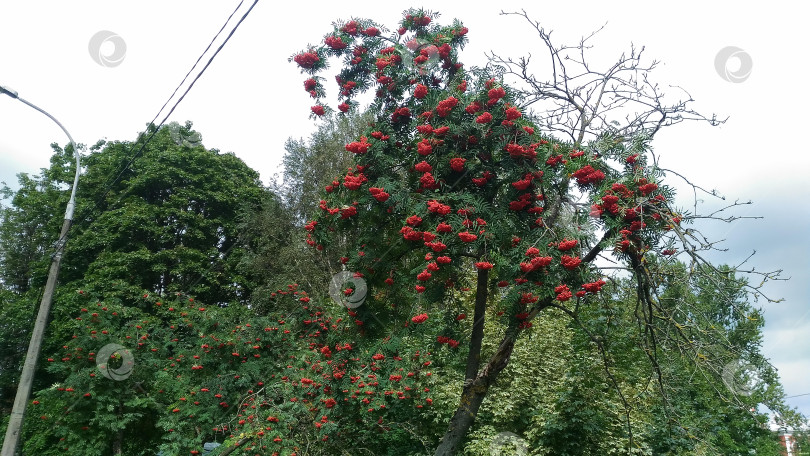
251, 99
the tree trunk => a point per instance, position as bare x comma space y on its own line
118, 443
119, 435
479, 318
473, 395
116, 449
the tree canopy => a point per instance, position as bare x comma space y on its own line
167, 222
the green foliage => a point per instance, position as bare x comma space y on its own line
31, 222
16, 321
274, 255
223, 374
583, 387
277, 254
310, 165
555, 394
169, 223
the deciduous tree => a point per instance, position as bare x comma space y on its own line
455, 174
163, 218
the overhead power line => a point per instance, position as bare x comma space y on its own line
198, 61
176, 103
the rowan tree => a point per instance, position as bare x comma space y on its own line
456, 175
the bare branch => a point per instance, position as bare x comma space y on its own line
581, 102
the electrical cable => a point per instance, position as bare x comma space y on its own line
149, 138
198, 61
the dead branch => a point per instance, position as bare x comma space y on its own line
581, 102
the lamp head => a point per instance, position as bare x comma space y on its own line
10, 92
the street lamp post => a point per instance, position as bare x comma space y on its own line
27, 378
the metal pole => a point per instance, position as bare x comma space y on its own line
14, 429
